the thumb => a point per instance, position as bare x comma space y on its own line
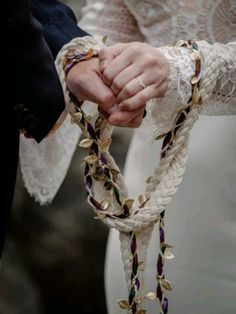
106, 55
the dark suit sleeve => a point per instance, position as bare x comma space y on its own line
58, 21
32, 74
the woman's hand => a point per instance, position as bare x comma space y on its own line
135, 72
84, 80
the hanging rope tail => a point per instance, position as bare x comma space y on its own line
106, 189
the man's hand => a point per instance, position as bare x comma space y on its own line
85, 82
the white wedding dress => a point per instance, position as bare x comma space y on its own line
201, 220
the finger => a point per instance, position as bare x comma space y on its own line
123, 78
85, 83
92, 88
140, 82
133, 87
136, 122
106, 55
126, 118
136, 101
117, 65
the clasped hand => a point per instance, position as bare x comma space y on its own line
121, 81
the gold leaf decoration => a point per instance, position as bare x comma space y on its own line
168, 254
100, 216
91, 159
196, 95
129, 202
148, 180
86, 143
164, 244
195, 55
194, 80
124, 305
159, 137
105, 204
180, 43
142, 199
151, 296
114, 172
106, 143
165, 284
143, 204
75, 119
89, 117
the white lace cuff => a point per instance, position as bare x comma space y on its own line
163, 111
218, 84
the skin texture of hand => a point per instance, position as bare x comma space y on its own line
85, 82
135, 72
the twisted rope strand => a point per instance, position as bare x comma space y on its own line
136, 227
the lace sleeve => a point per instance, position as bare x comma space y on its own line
45, 165
112, 19
222, 100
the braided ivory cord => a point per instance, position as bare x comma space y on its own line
161, 185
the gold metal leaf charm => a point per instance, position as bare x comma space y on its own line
100, 216
91, 159
196, 95
129, 202
106, 143
194, 80
89, 117
165, 284
114, 172
105, 204
151, 296
142, 198
86, 143
168, 255
143, 311
180, 43
75, 119
195, 55
124, 305
148, 180
159, 137
167, 245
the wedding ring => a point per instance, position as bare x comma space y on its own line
141, 84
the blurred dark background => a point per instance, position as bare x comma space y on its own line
53, 262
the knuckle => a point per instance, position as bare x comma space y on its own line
128, 90
143, 98
107, 77
108, 99
152, 60
117, 84
126, 105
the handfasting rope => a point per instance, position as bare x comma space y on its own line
105, 185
